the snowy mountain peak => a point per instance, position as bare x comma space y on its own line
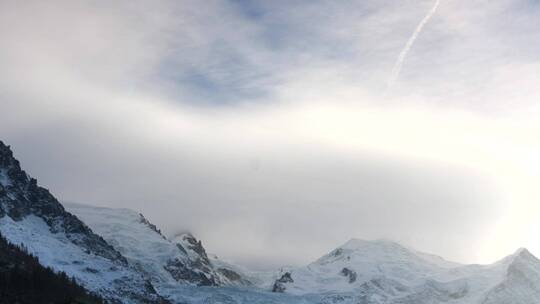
21, 196
169, 263
384, 271
524, 253
382, 251
521, 280
374, 246
520, 255
523, 257
130, 257
190, 245
356, 249
32, 216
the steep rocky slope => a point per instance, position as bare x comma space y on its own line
31, 216
167, 262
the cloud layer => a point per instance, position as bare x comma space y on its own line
262, 126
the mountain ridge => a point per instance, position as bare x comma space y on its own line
167, 262
383, 271
122, 256
30, 215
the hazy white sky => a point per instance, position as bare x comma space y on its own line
264, 126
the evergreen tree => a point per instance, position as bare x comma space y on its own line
23, 280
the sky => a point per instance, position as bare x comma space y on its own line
269, 129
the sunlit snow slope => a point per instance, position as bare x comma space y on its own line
386, 272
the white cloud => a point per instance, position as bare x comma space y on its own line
102, 104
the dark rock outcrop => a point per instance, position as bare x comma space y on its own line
279, 284
153, 227
229, 274
234, 277
197, 267
187, 271
21, 196
351, 274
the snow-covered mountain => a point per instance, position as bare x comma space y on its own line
356, 262
31, 216
385, 272
120, 255
166, 262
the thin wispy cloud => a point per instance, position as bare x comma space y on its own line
396, 70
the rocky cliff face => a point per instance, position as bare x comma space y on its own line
32, 216
279, 284
21, 196
197, 268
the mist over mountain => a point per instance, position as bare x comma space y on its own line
269, 152
237, 110
117, 254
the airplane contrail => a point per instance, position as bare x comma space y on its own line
401, 58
